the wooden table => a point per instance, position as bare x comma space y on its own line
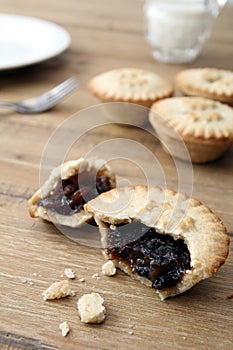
105, 35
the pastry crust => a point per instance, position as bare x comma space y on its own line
213, 83
130, 85
170, 213
204, 125
65, 171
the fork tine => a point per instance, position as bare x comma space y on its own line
45, 101
68, 84
65, 84
60, 91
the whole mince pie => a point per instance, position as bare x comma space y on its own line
213, 83
160, 237
193, 128
61, 198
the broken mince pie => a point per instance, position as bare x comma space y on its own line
60, 200
160, 237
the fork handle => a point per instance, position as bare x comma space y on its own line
9, 105
6, 104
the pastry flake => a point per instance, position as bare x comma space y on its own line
69, 273
109, 268
57, 290
65, 328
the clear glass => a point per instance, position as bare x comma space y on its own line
177, 29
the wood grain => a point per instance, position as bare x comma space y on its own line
34, 253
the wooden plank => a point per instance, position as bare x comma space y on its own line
42, 255
15, 342
34, 253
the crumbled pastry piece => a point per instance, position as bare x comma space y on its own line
91, 308
72, 293
109, 268
202, 126
163, 254
132, 326
65, 328
69, 273
58, 290
28, 282
82, 279
61, 198
213, 83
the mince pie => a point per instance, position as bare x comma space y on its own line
61, 199
213, 83
138, 87
193, 126
160, 237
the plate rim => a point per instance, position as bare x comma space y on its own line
43, 58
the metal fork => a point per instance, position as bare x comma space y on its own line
44, 102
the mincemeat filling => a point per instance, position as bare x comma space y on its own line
71, 194
158, 257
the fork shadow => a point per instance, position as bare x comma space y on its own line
5, 113
42, 71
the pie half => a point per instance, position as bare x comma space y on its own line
160, 237
61, 198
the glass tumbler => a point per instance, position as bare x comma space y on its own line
177, 29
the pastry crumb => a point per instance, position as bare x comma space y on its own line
58, 290
69, 273
109, 268
130, 332
81, 279
91, 308
96, 276
65, 328
72, 293
132, 326
28, 282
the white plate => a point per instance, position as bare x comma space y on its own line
27, 40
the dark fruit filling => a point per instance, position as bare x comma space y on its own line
160, 258
71, 194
